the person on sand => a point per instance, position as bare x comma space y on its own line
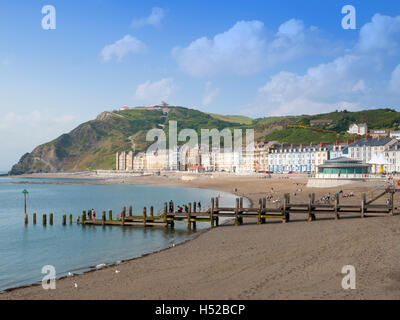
199, 206
180, 209
78, 220
93, 214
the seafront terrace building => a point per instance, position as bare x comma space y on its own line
297, 159
368, 149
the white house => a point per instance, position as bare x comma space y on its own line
360, 129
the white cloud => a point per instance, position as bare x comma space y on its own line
240, 50
381, 34
362, 78
247, 48
21, 132
394, 84
210, 94
154, 92
154, 19
122, 47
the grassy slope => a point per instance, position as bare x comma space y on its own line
93, 144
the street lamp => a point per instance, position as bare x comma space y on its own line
25, 192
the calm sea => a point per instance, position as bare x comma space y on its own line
24, 250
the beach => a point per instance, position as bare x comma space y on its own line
296, 260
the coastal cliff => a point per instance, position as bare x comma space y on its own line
93, 144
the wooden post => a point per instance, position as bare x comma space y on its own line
130, 211
151, 211
217, 202
103, 218
26, 218
189, 225
264, 206
51, 219
241, 203
286, 200
144, 216
311, 215
392, 203
124, 212
165, 213
194, 206
337, 217
83, 218
44, 219
34, 218
260, 208
110, 217
70, 219
64, 219
212, 212
194, 222
363, 202
237, 212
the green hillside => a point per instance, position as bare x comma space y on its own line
93, 144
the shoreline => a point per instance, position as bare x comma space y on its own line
230, 256
90, 269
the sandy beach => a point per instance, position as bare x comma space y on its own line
297, 260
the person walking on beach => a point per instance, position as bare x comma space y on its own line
171, 206
199, 206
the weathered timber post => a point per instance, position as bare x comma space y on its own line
110, 217
51, 219
44, 219
124, 212
144, 216
241, 211
189, 225
151, 211
237, 212
286, 200
337, 217
64, 219
217, 202
83, 219
103, 218
26, 218
130, 211
194, 222
212, 212
165, 214
70, 219
34, 218
89, 213
311, 215
260, 208
194, 206
392, 203
363, 203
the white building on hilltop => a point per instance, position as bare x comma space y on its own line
360, 129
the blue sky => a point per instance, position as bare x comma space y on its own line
257, 58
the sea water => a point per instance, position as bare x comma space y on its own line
25, 250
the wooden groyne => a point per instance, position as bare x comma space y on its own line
260, 214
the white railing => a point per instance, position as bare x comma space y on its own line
346, 176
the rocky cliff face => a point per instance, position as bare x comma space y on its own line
91, 145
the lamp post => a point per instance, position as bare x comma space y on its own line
25, 192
